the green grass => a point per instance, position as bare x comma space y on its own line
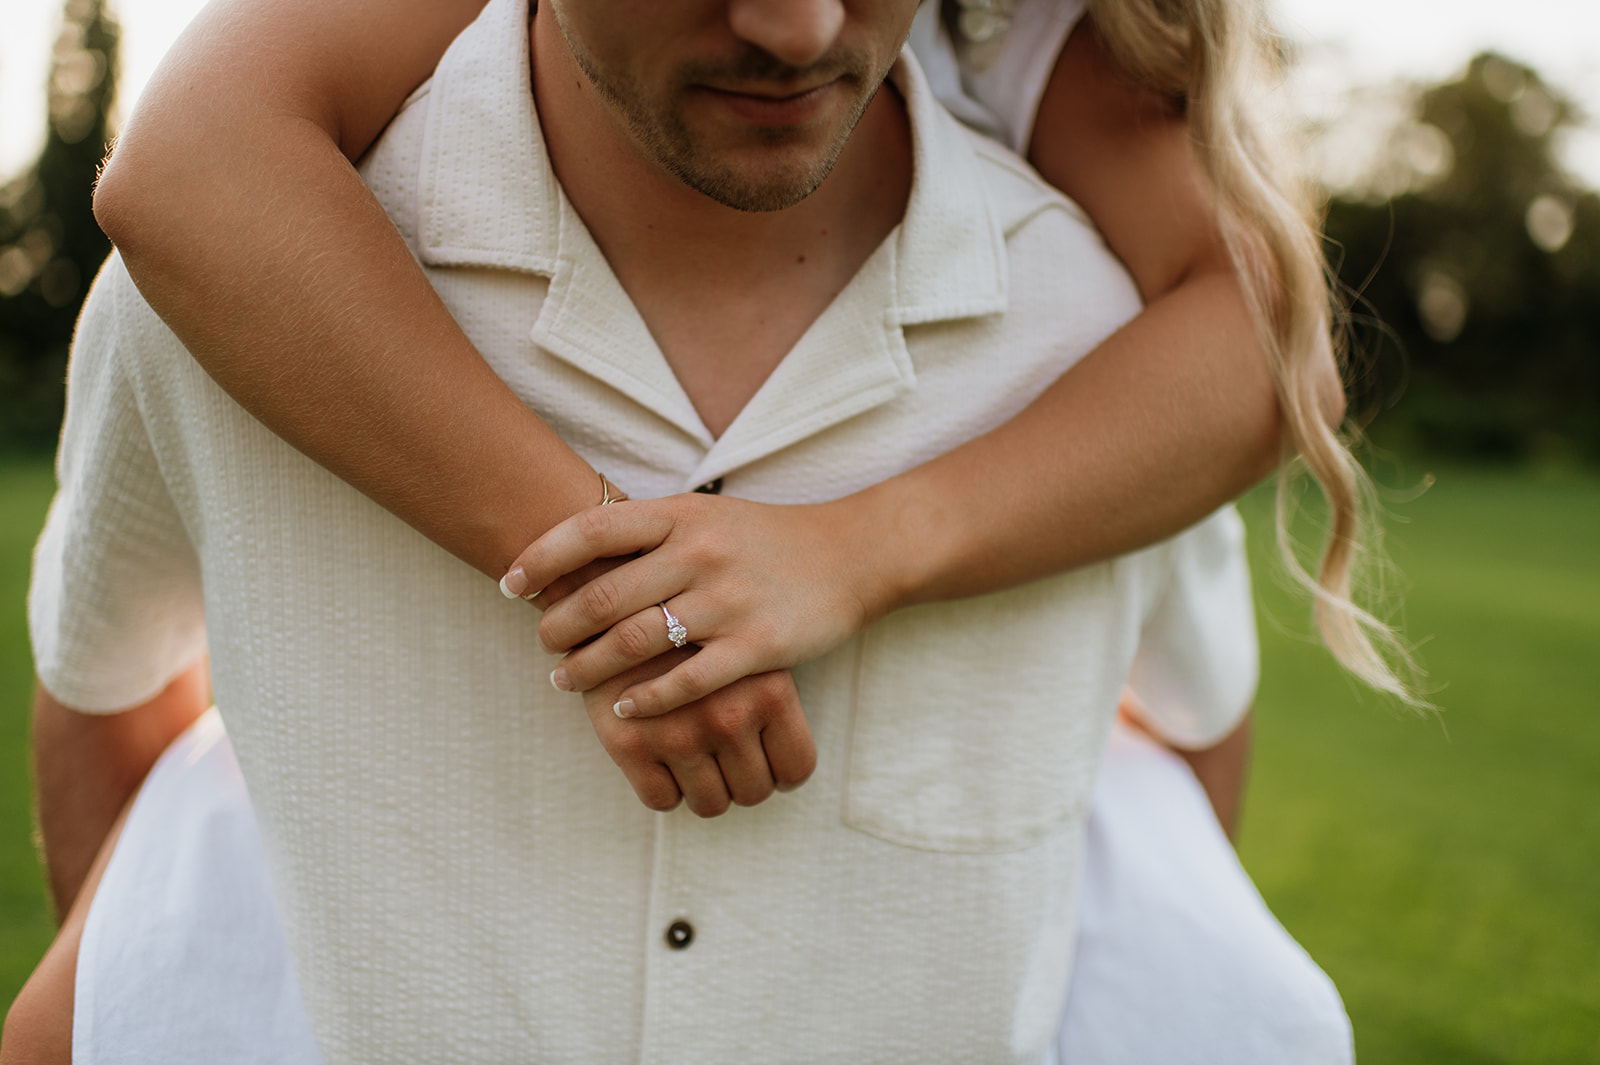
1444, 870
25, 924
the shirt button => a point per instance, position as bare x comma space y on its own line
680, 934
711, 488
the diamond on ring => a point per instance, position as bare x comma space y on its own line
675, 630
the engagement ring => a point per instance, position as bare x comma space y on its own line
675, 630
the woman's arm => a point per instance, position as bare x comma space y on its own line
233, 202
239, 216
1171, 417
237, 212
1167, 419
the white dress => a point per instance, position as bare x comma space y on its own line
1179, 961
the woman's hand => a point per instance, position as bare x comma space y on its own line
758, 587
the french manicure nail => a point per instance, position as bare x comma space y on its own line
514, 583
558, 677
624, 708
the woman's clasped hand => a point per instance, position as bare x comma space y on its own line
757, 587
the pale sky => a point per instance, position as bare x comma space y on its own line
1372, 41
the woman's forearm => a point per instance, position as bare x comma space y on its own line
1164, 422
1168, 419
247, 229
342, 347
313, 314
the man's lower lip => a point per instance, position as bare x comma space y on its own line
774, 111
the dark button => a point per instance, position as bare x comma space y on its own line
711, 488
680, 934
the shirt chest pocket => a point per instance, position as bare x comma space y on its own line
977, 724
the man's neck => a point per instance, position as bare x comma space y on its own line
726, 293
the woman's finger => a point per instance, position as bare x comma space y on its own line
631, 642
721, 662
634, 586
564, 586
624, 528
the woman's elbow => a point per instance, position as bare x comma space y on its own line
120, 205
157, 201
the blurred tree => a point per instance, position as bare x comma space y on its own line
50, 246
1485, 273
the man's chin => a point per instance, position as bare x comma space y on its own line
770, 175
756, 194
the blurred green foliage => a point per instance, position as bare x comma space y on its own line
50, 246
1479, 285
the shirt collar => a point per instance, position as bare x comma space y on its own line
487, 196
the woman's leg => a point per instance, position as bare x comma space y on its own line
173, 950
38, 1029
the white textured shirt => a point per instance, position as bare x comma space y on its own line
462, 873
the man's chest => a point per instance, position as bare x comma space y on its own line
722, 347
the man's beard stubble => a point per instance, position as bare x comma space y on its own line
663, 136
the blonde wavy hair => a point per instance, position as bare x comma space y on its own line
1213, 58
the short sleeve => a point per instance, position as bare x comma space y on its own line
115, 609
1197, 664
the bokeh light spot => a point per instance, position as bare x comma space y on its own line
1442, 305
1550, 222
